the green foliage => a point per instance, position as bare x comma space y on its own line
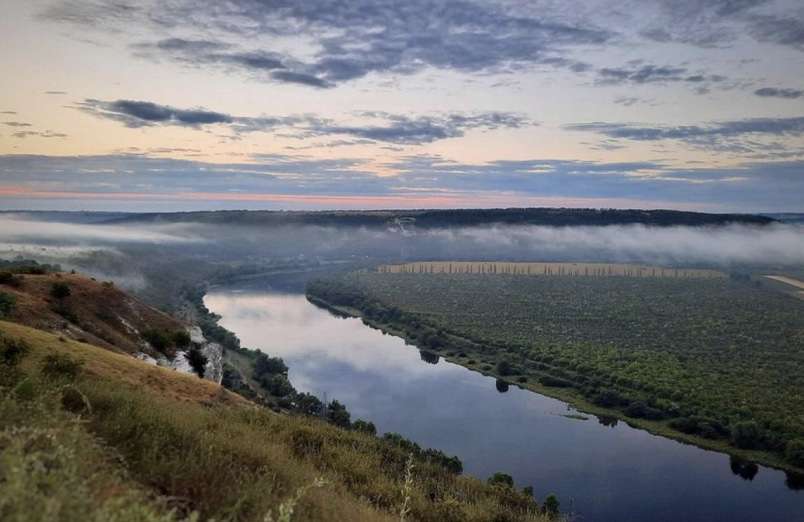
197, 361
181, 339
550, 506
501, 479
61, 366
703, 354
364, 426
60, 290
338, 415
158, 339
11, 279
746, 435
795, 452
7, 304
12, 350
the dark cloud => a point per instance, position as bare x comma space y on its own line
392, 128
787, 30
43, 134
353, 39
56, 93
768, 126
16, 124
649, 73
404, 130
774, 92
745, 136
141, 113
8, 112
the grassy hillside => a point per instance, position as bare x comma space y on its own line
710, 360
81, 308
88, 434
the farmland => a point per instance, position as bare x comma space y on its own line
699, 356
547, 269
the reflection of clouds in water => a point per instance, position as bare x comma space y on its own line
317, 338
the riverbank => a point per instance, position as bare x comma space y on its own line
475, 360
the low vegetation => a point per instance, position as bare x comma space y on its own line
87, 434
707, 359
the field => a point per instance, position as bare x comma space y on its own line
707, 357
91, 435
547, 269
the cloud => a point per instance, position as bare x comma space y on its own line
774, 92
42, 134
351, 40
56, 93
16, 124
392, 128
788, 30
8, 112
424, 180
734, 135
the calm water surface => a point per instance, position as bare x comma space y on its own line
599, 472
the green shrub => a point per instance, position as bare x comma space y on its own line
60, 290
746, 435
56, 366
12, 350
795, 452
8, 303
501, 479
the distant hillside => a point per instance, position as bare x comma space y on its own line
448, 218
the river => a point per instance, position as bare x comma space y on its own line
600, 470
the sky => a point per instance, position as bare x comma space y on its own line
320, 104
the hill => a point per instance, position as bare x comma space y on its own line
89, 434
81, 308
427, 219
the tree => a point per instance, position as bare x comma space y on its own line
338, 415
7, 304
181, 339
278, 385
197, 361
308, 404
795, 452
746, 435
270, 365
60, 290
364, 426
504, 368
501, 479
550, 506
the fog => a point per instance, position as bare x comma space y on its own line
89, 246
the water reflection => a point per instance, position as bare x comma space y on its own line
742, 468
605, 469
429, 357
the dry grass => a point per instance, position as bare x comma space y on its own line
96, 312
547, 269
199, 449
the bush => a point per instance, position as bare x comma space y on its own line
61, 366
501, 479
550, 506
554, 382
10, 279
7, 304
159, 340
338, 415
278, 385
60, 290
269, 365
181, 339
794, 453
364, 426
197, 361
504, 368
12, 350
746, 435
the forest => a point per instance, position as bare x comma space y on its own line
708, 357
